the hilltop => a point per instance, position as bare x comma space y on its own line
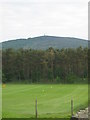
44, 42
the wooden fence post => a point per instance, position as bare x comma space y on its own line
36, 107
71, 107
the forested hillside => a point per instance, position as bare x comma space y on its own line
45, 66
44, 42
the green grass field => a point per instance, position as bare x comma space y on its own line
53, 100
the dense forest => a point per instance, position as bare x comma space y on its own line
45, 66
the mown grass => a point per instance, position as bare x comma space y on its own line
53, 100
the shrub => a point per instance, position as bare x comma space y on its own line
72, 78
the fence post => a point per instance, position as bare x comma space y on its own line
71, 107
36, 107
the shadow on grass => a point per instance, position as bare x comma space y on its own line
36, 119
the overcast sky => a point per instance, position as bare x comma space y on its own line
30, 18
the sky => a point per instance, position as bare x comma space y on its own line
31, 18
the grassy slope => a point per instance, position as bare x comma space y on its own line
53, 100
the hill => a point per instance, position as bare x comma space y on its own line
44, 42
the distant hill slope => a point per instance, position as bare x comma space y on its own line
44, 42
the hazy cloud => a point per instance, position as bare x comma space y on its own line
22, 19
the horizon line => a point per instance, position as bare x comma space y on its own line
42, 36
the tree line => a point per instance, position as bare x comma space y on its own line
45, 66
